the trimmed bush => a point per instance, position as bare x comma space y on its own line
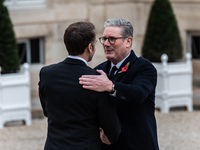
162, 34
9, 59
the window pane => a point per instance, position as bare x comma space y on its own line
195, 46
31, 50
35, 50
22, 52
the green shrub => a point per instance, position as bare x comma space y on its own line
9, 59
162, 34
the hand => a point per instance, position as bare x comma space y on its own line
104, 138
97, 83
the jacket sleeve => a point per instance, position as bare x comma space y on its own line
41, 92
107, 117
138, 83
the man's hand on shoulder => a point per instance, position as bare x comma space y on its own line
99, 83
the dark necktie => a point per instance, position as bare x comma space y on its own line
114, 68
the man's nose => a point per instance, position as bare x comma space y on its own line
106, 42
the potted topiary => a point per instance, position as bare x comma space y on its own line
162, 42
9, 60
14, 82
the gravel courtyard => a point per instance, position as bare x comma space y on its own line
177, 130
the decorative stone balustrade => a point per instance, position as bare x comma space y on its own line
174, 85
15, 101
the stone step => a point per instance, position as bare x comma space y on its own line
196, 96
36, 109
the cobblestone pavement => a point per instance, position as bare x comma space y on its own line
177, 130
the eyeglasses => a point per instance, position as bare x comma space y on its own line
111, 40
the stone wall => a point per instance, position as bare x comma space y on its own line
50, 22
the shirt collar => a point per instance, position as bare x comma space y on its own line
119, 64
77, 57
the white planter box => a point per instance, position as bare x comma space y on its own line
174, 85
15, 101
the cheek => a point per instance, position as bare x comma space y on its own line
117, 51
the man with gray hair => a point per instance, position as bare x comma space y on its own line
131, 86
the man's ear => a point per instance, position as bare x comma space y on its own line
129, 41
90, 47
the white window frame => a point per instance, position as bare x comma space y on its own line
28, 50
25, 4
190, 41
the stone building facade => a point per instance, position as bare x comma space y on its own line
39, 26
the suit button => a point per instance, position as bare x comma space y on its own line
123, 97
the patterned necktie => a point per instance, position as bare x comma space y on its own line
114, 68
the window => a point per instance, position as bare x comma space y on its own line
20, 4
31, 51
195, 46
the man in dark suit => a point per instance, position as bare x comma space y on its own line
132, 87
74, 114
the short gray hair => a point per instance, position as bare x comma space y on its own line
127, 28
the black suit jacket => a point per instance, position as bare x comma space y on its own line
135, 100
74, 114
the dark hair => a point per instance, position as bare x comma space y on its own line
78, 36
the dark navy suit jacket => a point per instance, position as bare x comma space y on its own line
135, 100
75, 114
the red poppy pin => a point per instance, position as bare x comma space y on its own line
124, 68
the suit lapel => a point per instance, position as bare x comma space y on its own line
129, 61
106, 67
